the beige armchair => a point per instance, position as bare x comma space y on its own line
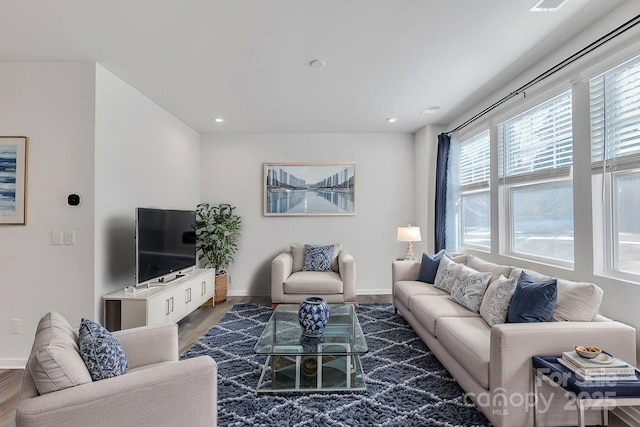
157, 389
291, 284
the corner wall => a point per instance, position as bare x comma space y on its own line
232, 172
145, 157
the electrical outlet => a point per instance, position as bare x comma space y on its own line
16, 326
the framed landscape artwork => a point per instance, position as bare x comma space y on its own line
309, 189
13, 179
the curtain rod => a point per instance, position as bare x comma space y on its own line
559, 66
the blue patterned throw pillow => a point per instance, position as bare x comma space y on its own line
317, 258
101, 351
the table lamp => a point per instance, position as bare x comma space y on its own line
409, 234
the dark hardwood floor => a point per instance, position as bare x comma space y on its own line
190, 329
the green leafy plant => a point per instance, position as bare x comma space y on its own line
217, 233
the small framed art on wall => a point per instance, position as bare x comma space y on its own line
13, 179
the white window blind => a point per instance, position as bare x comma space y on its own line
475, 160
615, 115
537, 141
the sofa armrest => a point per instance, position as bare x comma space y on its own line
347, 268
514, 344
281, 268
165, 394
147, 345
404, 270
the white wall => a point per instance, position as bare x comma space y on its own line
145, 157
619, 296
232, 172
91, 134
53, 105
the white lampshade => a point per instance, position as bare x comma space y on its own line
409, 234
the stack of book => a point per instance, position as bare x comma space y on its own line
603, 368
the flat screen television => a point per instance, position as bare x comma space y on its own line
165, 243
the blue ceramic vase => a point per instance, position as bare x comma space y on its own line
313, 315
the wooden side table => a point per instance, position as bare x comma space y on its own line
604, 395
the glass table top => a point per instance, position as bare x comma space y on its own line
283, 334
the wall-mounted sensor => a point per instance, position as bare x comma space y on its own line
73, 200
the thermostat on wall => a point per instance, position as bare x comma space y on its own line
73, 199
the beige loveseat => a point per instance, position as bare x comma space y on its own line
290, 283
493, 363
157, 390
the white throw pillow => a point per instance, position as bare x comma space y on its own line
495, 304
448, 272
469, 286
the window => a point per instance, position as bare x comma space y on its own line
615, 156
535, 156
474, 191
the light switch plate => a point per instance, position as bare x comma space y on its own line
56, 237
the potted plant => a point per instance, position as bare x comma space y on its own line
217, 232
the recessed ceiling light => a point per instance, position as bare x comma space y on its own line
547, 5
218, 120
317, 63
392, 119
430, 109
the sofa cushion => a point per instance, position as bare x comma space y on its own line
532, 301
314, 282
427, 309
495, 303
297, 252
457, 257
405, 289
516, 272
577, 301
55, 362
469, 288
317, 258
467, 340
429, 267
496, 270
448, 272
101, 351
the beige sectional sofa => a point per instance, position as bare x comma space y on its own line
493, 363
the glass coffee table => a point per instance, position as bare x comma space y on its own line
297, 363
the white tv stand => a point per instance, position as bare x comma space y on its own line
167, 303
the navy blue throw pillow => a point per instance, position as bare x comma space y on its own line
101, 351
429, 267
533, 301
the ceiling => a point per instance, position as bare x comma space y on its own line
247, 61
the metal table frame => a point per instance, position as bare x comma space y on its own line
582, 402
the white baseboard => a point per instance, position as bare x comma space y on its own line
13, 363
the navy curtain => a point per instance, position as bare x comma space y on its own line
441, 191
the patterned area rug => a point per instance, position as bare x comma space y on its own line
406, 384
